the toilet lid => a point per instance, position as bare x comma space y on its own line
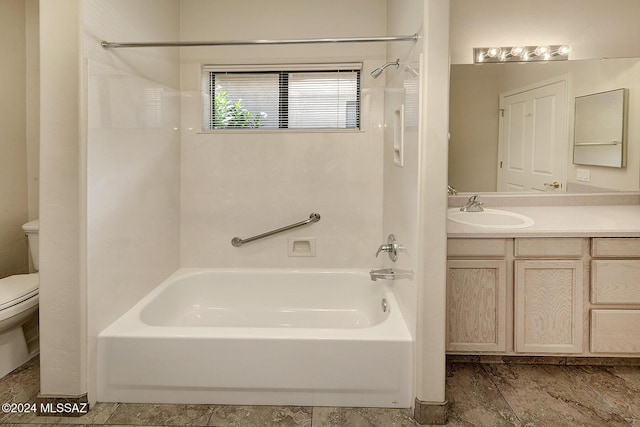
15, 289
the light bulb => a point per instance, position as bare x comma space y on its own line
541, 50
516, 51
493, 52
564, 50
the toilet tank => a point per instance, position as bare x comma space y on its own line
32, 230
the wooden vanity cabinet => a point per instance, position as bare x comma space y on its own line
476, 295
515, 296
476, 305
544, 296
548, 291
615, 296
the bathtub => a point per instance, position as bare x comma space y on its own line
260, 337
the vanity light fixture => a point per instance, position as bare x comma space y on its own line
521, 53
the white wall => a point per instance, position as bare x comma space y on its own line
415, 194
13, 160
593, 28
62, 285
400, 204
242, 184
133, 157
432, 204
401, 183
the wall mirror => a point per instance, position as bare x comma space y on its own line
600, 129
476, 118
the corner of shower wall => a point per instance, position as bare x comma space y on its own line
401, 149
132, 159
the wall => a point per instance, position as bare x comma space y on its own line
13, 161
242, 184
415, 194
32, 76
474, 120
432, 204
62, 285
133, 157
586, 25
400, 205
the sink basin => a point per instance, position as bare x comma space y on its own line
490, 218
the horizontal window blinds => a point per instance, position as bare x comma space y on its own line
307, 96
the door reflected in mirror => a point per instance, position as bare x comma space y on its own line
477, 159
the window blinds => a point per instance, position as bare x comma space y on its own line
304, 96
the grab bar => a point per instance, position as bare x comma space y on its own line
236, 241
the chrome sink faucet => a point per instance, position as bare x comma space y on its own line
473, 205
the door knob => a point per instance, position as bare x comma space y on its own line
554, 184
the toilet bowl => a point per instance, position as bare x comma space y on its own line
19, 297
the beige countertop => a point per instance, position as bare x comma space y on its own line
561, 221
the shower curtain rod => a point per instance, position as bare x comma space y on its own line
116, 45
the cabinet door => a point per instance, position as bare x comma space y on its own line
548, 306
476, 304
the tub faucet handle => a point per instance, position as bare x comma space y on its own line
384, 248
392, 248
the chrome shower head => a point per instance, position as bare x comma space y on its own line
376, 73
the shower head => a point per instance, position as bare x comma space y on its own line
376, 73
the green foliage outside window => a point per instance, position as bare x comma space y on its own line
230, 114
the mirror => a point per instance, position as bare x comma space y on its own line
600, 129
475, 120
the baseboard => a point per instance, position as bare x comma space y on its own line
430, 413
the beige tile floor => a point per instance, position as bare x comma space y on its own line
480, 394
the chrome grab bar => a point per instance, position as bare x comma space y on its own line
236, 241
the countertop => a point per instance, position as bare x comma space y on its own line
561, 221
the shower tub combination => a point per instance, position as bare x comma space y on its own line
260, 337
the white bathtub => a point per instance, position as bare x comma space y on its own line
260, 337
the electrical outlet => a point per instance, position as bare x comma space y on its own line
583, 175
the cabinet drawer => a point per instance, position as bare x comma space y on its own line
477, 247
615, 331
605, 247
548, 248
615, 282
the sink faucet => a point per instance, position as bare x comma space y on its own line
451, 190
473, 205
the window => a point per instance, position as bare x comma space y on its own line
313, 96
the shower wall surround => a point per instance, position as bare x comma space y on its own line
241, 183
133, 157
160, 194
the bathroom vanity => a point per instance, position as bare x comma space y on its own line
569, 285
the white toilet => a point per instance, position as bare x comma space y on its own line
19, 296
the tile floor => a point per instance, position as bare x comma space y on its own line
480, 394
